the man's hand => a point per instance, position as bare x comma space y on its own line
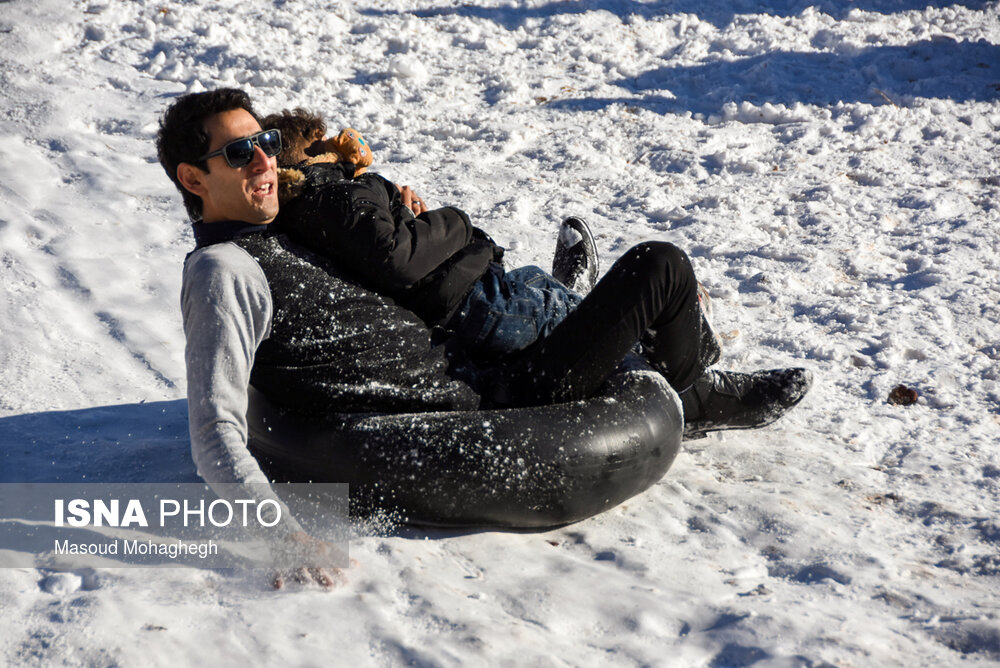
312, 549
411, 200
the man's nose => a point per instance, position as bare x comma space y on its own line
260, 160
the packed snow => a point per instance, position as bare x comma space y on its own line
831, 167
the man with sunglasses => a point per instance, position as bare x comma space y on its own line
259, 309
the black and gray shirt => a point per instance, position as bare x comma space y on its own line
258, 309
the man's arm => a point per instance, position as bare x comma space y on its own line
226, 307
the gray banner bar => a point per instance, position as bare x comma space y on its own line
79, 525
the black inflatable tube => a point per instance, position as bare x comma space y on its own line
525, 467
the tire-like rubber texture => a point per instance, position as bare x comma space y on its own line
521, 467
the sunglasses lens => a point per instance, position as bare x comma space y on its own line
270, 142
239, 153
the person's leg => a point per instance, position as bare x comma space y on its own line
650, 294
506, 312
553, 300
652, 288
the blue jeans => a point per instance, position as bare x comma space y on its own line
506, 312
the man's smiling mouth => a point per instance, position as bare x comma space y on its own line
263, 190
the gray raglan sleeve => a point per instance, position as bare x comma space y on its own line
226, 309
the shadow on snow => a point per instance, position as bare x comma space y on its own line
146, 442
943, 68
719, 14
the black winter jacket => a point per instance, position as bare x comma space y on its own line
426, 263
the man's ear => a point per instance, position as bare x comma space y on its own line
191, 178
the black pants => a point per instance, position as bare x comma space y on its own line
648, 297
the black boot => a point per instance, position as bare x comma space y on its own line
575, 263
730, 400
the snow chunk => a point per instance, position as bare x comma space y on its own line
773, 114
408, 67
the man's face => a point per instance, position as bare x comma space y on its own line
248, 193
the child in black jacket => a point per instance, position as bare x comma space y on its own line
436, 263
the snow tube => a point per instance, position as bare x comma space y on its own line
520, 467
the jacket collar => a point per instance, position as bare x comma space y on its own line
207, 234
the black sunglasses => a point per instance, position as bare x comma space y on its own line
239, 152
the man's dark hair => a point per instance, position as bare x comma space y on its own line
299, 130
183, 138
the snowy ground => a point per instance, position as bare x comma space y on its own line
833, 169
